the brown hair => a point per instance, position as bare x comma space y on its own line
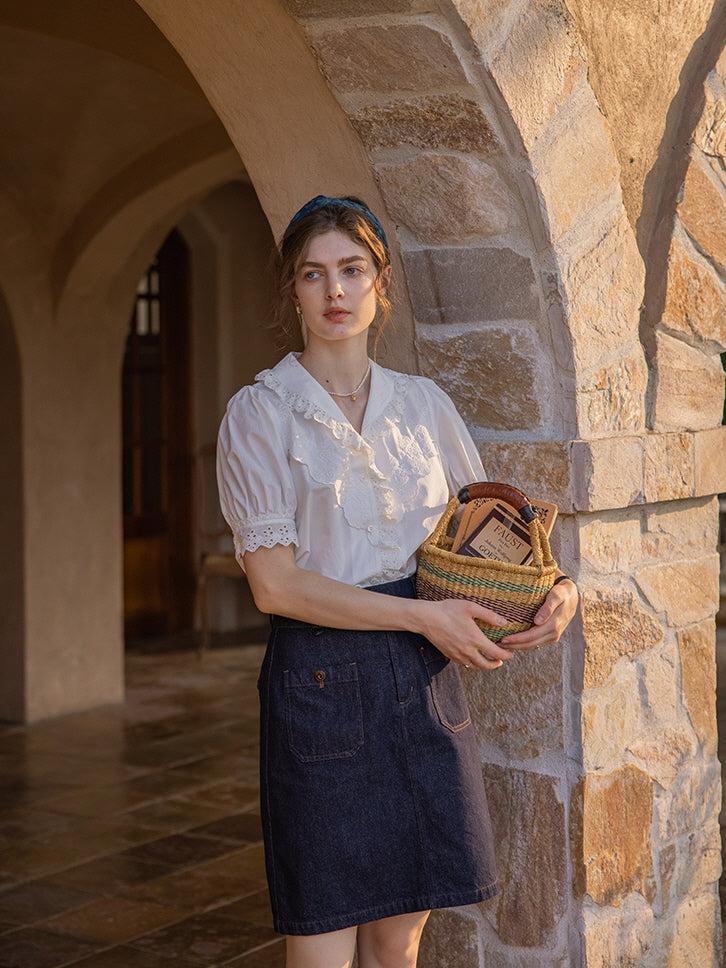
330, 217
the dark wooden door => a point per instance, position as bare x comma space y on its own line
159, 576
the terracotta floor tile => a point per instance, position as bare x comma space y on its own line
180, 850
109, 875
28, 860
248, 863
193, 891
254, 908
230, 795
19, 824
205, 939
114, 920
124, 957
175, 815
40, 899
32, 948
245, 827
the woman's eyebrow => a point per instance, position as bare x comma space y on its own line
341, 262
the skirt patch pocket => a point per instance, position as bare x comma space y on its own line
323, 711
447, 691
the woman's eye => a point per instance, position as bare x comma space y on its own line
311, 274
352, 270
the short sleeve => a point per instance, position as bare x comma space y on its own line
256, 491
459, 455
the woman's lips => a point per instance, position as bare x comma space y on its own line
336, 314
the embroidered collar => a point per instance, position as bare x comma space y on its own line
302, 392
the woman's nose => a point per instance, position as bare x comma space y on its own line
335, 289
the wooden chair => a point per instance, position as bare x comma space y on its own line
215, 561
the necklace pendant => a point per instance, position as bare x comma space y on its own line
353, 397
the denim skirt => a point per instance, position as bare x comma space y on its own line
373, 802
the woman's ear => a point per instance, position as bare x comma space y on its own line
385, 279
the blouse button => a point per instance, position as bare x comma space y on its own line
319, 677
370, 529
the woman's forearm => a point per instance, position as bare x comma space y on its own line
280, 587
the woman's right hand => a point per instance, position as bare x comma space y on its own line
450, 626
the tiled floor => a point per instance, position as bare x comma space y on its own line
130, 837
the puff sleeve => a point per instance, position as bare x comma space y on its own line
256, 490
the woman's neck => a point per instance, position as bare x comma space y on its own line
338, 368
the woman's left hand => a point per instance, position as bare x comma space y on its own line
550, 621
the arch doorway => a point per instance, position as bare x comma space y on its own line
157, 450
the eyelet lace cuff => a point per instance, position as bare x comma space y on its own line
263, 534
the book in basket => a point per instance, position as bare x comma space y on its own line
515, 591
493, 529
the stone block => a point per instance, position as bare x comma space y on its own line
576, 169
607, 473
681, 530
475, 370
698, 682
618, 811
701, 210
683, 592
689, 387
668, 471
695, 307
604, 293
610, 717
521, 708
698, 861
614, 626
542, 37
710, 133
663, 752
529, 828
709, 448
470, 285
612, 544
612, 399
439, 121
693, 802
697, 933
380, 59
539, 468
446, 198
450, 940
620, 937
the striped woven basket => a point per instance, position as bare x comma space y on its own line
513, 591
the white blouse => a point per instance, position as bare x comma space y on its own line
292, 470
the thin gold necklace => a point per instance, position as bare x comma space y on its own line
353, 393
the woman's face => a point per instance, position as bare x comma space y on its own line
335, 286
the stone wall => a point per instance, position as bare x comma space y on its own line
505, 183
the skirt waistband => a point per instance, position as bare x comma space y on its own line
400, 588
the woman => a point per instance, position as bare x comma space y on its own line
332, 471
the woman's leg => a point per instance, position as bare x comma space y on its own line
332, 950
391, 942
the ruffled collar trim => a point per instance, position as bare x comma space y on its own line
304, 395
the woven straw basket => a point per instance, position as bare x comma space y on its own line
513, 591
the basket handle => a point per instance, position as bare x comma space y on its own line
500, 492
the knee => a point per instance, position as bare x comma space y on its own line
384, 950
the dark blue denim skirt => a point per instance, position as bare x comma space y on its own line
373, 802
